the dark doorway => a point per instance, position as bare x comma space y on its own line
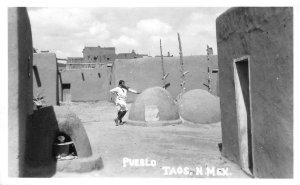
66, 92
242, 98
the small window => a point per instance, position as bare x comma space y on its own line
82, 76
37, 76
99, 75
66, 86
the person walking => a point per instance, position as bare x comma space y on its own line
121, 92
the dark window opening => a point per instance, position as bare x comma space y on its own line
99, 75
65, 94
66, 86
82, 76
29, 66
37, 76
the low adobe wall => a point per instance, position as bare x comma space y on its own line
45, 81
266, 36
20, 104
88, 84
143, 73
139, 74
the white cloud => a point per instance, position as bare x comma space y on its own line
60, 19
153, 26
155, 38
124, 41
58, 52
166, 39
198, 17
68, 30
125, 29
200, 29
97, 28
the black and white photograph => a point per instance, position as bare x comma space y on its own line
187, 92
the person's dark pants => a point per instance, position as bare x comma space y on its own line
121, 114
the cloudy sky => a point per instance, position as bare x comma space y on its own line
66, 31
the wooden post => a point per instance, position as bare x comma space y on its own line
208, 51
162, 65
182, 83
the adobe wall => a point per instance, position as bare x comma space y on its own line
143, 73
75, 60
45, 81
20, 104
88, 84
131, 55
101, 54
266, 35
40, 160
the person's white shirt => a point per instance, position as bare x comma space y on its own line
121, 93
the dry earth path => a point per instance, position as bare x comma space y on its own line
187, 146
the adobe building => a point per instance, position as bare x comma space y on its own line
89, 84
255, 54
131, 55
61, 66
32, 134
20, 105
98, 54
169, 55
77, 63
74, 59
45, 79
93, 84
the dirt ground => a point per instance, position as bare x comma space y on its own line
172, 151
